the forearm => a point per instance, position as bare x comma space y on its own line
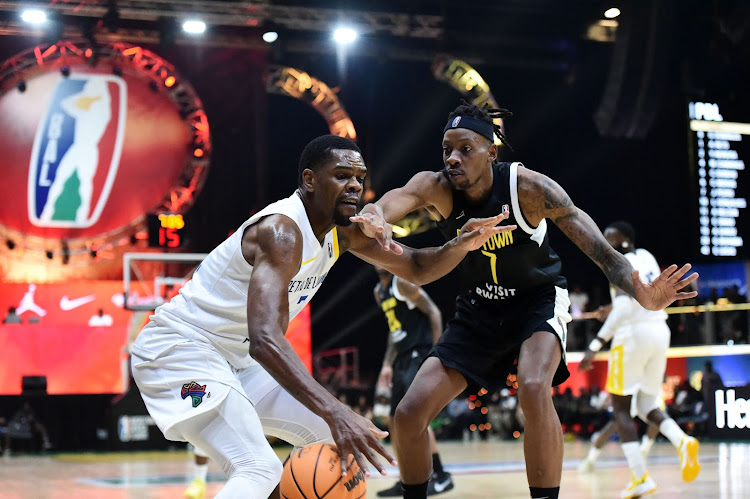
430, 264
390, 353
281, 361
621, 309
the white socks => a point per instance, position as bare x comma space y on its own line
646, 444
672, 431
593, 454
200, 471
635, 461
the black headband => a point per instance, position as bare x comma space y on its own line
482, 128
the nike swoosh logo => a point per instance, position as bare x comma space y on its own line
439, 487
68, 304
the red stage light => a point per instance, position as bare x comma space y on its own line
198, 153
170, 81
88, 53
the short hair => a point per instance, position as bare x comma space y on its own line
624, 228
318, 151
486, 114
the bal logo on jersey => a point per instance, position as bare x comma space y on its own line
76, 151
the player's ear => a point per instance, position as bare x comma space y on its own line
492, 152
308, 180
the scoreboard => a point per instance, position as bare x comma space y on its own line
719, 145
166, 230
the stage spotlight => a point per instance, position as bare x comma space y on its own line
65, 70
194, 26
11, 244
612, 13
21, 85
198, 153
34, 16
270, 36
170, 81
344, 35
49, 254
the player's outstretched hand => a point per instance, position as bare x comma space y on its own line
359, 437
478, 231
587, 363
385, 379
665, 289
373, 225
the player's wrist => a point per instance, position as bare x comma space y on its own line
595, 345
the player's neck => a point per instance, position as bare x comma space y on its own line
320, 223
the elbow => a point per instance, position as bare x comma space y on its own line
261, 350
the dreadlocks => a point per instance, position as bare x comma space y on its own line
486, 114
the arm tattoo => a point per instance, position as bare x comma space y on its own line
555, 198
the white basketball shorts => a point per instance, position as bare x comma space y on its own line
638, 358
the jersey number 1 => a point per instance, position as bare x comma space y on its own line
493, 264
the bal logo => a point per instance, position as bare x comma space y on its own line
76, 151
456, 121
194, 391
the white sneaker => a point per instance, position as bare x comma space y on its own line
689, 458
639, 487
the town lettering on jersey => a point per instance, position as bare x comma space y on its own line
494, 292
497, 241
732, 412
305, 284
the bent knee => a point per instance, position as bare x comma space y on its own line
261, 467
408, 417
533, 394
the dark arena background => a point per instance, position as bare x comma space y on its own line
126, 129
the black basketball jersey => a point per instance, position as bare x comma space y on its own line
409, 326
511, 262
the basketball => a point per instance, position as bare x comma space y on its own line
314, 472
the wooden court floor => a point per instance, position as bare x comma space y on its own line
481, 469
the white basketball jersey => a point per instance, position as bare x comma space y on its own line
212, 306
645, 263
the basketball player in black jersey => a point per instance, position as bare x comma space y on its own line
415, 324
512, 302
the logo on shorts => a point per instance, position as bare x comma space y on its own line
456, 121
195, 391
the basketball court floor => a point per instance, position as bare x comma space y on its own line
482, 469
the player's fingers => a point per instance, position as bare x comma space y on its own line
684, 282
380, 238
686, 295
396, 248
678, 275
378, 432
667, 272
375, 445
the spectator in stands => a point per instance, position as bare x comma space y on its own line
363, 408
100, 319
24, 425
12, 317
381, 411
710, 382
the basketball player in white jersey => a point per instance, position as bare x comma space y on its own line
637, 362
213, 366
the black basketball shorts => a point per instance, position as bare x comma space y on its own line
484, 337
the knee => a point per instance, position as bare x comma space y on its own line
533, 394
261, 467
408, 419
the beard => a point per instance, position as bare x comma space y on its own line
342, 219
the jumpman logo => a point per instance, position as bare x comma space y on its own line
27, 303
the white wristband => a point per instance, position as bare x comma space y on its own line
596, 345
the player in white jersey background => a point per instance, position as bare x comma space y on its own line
637, 362
213, 366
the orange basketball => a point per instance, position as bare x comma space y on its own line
314, 472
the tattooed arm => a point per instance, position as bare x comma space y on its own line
541, 197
